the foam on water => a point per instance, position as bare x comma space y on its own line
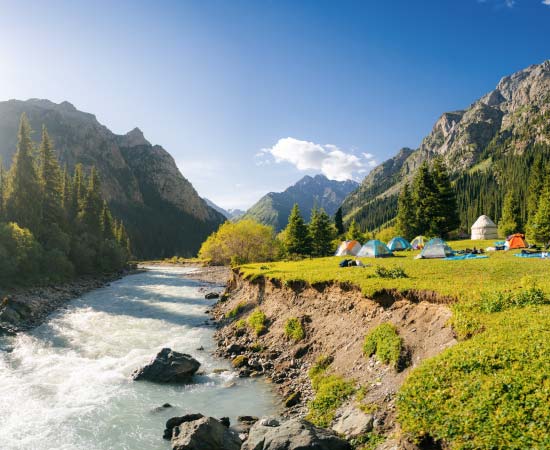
65, 385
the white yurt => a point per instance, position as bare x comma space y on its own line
484, 228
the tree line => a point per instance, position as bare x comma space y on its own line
54, 225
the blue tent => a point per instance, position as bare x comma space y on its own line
375, 249
398, 243
436, 248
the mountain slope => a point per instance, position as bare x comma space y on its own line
274, 208
488, 148
162, 211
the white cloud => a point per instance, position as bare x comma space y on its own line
546, 2
327, 159
510, 3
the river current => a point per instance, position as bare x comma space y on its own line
66, 384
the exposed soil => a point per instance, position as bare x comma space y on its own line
336, 319
218, 275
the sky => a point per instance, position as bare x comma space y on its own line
250, 96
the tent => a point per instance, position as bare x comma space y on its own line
418, 242
484, 228
398, 243
348, 248
436, 248
375, 249
516, 241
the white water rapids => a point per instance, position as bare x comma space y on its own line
65, 385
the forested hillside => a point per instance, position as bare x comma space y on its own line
163, 213
53, 224
493, 148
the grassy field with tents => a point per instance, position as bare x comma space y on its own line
492, 389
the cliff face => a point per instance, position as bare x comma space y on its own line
514, 116
140, 181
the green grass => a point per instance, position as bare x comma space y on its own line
294, 329
257, 320
384, 342
235, 311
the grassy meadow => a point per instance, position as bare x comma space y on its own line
492, 389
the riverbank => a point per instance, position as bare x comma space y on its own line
24, 308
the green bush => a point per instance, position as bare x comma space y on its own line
20, 254
240, 324
235, 311
393, 272
384, 342
257, 321
294, 329
491, 391
331, 391
320, 366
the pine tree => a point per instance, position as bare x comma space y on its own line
541, 220
446, 216
298, 241
406, 215
508, 223
339, 222
77, 194
92, 208
51, 183
107, 225
123, 239
2, 190
322, 232
425, 200
23, 187
536, 177
66, 191
354, 232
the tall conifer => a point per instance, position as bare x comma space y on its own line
322, 233
298, 241
406, 215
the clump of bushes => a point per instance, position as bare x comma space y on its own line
235, 311
294, 329
500, 301
384, 342
240, 324
393, 272
257, 321
331, 391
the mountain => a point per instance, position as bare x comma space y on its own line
489, 148
231, 214
161, 210
274, 208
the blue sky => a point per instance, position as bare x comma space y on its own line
248, 96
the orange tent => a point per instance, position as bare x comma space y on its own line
516, 241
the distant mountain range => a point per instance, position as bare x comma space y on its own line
489, 148
230, 214
274, 208
161, 210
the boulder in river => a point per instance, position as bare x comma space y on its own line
292, 434
168, 367
211, 295
177, 421
205, 433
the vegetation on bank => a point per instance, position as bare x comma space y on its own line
54, 225
384, 342
294, 329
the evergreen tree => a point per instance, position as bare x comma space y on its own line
339, 222
322, 232
541, 220
23, 186
406, 215
66, 191
123, 239
446, 216
536, 178
77, 193
2, 190
107, 225
92, 208
508, 223
425, 200
354, 232
51, 183
298, 241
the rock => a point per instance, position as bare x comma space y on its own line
239, 361
205, 433
293, 399
167, 367
353, 422
290, 435
225, 421
301, 351
162, 408
234, 349
247, 419
177, 421
211, 295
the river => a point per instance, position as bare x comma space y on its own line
66, 384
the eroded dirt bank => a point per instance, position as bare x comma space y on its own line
335, 319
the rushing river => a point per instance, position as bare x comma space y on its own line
65, 385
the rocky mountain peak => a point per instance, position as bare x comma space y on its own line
134, 138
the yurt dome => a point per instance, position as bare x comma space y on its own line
484, 228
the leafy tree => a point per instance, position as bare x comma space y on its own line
23, 187
406, 214
354, 232
508, 222
19, 254
298, 240
322, 233
240, 243
339, 222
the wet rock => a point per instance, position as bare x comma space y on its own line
162, 408
168, 367
205, 433
225, 421
353, 422
292, 434
211, 295
293, 399
234, 349
176, 421
239, 361
247, 419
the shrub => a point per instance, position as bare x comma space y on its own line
240, 324
385, 343
257, 321
320, 366
294, 329
20, 254
240, 243
331, 391
393, 272
235, 311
